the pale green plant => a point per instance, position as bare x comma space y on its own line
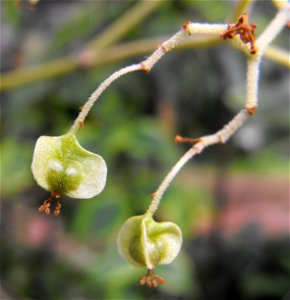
141, 240
62, 166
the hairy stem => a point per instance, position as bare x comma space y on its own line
167, 180
220, 136
63, 66
79, 122
273, 29
229, 129
252, 82
147, 64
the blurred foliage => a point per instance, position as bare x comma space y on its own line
15, 166
193, 92
12, 12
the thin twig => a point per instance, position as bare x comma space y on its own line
228, 130
146, 65
79, 122
63, 66
273, 29
220, 136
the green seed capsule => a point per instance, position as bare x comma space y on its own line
61, 165
143, 242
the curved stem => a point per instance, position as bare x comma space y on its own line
220, 136
146, 65
167, 180
63, 66
79, 122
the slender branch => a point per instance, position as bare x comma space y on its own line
267, 36
109, 36
146, 65
62, 66
220, 136
252, 83
79, 122
201, 28
238, 44
168, 179
272, 30
164, 48
228, 130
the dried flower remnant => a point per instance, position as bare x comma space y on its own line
45, 207
244, 29
61, 166
151, 279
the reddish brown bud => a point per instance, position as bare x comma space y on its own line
251, 109
185, 27
181, 139
145, 68
81, 123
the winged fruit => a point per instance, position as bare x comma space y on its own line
62, 166
143, 242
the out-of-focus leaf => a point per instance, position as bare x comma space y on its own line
188, 206
80, 25
100, 217
266, 162
178, 277
271, 286
16, 159
12, 11
117, 277
212, 11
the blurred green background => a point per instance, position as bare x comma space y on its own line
231, 202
